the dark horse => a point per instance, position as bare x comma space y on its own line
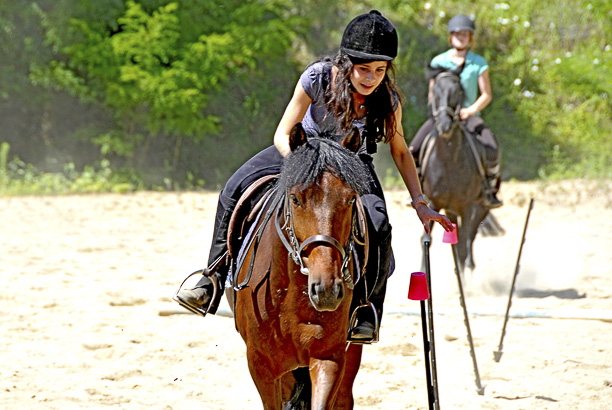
450, 167
294, 313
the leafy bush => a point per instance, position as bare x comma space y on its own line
19, 178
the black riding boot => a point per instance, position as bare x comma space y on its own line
368, 319
218, 267
492, 184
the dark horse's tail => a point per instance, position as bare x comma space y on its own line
490, 226
300, 398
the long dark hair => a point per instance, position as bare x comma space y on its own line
381, 104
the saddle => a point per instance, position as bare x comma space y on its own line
249, 205
471, 136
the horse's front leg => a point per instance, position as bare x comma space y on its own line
326, 376
266, 382
344, 399
479, 213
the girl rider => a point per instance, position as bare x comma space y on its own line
331, 97
477, 88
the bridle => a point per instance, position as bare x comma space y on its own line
286, 232
445, 109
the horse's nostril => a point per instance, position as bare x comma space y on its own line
340, 291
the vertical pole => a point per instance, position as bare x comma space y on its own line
426, 350
434, 369
498, 353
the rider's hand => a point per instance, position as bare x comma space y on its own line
465, 113
426, 214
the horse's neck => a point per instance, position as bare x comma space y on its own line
450, 150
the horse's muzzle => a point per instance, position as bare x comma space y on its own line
444, 125
326, 297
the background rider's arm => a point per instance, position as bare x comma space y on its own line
294, 113
486, 96
430, 90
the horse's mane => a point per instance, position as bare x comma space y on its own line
305, 166
433, 71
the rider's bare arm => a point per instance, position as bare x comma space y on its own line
430, 92
485, 98
403, 158
294, 113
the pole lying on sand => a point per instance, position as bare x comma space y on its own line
498, 353
420, 285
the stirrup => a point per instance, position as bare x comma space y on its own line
194, 309
353, 325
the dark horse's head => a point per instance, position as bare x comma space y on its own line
447, 98
322, 180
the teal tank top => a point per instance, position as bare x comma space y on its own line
475, 65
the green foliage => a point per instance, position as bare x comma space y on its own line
166, 88
19, 178
551, 73
152, 80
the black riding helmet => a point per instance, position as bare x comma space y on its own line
370, 37
460, 23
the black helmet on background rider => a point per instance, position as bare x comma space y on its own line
460, 23
370, 37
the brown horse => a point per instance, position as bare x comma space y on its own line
294, 313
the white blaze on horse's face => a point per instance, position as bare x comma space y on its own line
366, 77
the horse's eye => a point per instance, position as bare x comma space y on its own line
295, 200
352, 201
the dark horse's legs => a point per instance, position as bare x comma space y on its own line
478, 214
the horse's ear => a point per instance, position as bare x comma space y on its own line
297, 136
352, 141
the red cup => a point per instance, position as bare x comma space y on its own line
418, 287
450, 237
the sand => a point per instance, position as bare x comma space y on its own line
87, 320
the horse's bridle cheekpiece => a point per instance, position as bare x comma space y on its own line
286, 233
437, 111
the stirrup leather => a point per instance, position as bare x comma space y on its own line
353, 325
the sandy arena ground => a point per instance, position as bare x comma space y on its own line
87, 320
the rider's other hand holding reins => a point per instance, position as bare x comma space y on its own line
466, 113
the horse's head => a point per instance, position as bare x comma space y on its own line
322, 180
447, 98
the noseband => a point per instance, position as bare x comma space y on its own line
286, 233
